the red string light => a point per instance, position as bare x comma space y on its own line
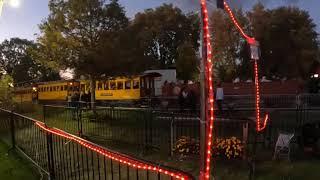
111, 155
210, 105
251, 41
260, 127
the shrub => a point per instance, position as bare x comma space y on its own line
223, 147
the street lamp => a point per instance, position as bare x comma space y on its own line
12, 3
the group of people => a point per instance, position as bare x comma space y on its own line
77, 99
188, 98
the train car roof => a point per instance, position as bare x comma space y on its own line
56, 82
151, 74
22, 88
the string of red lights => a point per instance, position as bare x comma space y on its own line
209, 76
114, 156
259, 127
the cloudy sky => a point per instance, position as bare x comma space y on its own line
22, 22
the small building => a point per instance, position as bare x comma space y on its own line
169, 75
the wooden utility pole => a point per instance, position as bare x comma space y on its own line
203, 97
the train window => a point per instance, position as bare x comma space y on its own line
106, 85
54, 88
99, 86
112, 85
120, 85
65, 87
135, 84
61, 88
127, 85
50, 88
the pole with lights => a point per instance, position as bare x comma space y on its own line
255, 56
207, 94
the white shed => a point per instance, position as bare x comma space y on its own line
169, 75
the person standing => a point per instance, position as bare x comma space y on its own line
89, 99
69, 99
219, 97
183, 98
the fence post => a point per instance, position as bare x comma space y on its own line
44, 113
146, 129
12, 127
150, 120
245, 129
79, 117
252, 160
50, 156
171, 135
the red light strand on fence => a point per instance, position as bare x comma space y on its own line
111, 155
209, 80
259, 127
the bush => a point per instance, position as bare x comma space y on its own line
230, 148
186, 146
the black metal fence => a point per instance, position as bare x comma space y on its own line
144, 128
273, 101
60, 155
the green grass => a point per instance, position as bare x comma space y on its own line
265, 170
306, 170
13, 167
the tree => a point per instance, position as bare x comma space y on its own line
5, 90
12, 52
162, 30
16, 61
187, 62
288, 41
73, 32
227, 43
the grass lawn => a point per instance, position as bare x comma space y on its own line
14, 167
306, 170
266, 170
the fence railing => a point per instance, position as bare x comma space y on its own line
147, 128
141, 128
273, 101
61, 155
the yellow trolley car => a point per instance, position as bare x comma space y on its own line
132, 88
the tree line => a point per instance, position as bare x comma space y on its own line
97, 39
288, 40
